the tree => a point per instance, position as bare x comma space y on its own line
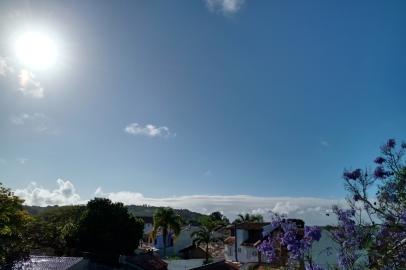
204, 236
214, 220
375, 221
249, 218
56, 228
289, 238
166, 220
219, 218
15, 243
107, 230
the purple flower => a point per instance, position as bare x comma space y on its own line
313, 233
314, 267
354, 175
380, 172
403, 218
379, 160
357, 197
391, 143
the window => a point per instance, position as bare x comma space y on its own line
254, 253
239, 250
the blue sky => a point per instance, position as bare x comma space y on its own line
260, 98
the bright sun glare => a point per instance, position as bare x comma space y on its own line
36, 50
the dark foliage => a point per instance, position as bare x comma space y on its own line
106, 228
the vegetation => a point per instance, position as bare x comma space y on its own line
107, 230
135, 210
249, 218
214, 220
56, 229
14, 223
371, 233
376, 221
205, 236
166, 220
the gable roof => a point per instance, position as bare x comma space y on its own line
191, 247
146, 261
221, 265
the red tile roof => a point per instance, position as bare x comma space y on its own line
229, 240
147, 261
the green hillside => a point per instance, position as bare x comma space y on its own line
136, 210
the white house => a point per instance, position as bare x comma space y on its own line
243, 239
175, 244
148, 225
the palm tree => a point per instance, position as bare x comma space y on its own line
204, 236
166, 220
249, 218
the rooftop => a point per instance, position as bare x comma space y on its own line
46, 263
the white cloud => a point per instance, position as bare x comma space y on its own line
324, 143
148, 130
21, 79
311, 210
29, 86
65, 194
227, 7
22, 161
37, 121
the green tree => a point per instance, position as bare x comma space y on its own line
249, 218
204, 236
107, 230
166, 220
56, 228
219, 218
14, 220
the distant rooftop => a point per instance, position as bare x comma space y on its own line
47, 263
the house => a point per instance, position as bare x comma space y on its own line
321, 251
192, 252
144, 261
240, 245
175, 243
148, 224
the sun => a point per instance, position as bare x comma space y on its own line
36, 50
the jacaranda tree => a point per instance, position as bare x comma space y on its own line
372, 232
289, 240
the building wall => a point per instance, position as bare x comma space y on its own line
184, 239
245, 254
242, 235
229, 253
320, 248
148, 227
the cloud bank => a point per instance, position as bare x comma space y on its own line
311, 210
227, 7
64, 194
148, 130
21, 79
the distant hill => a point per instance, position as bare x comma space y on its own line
136, 210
